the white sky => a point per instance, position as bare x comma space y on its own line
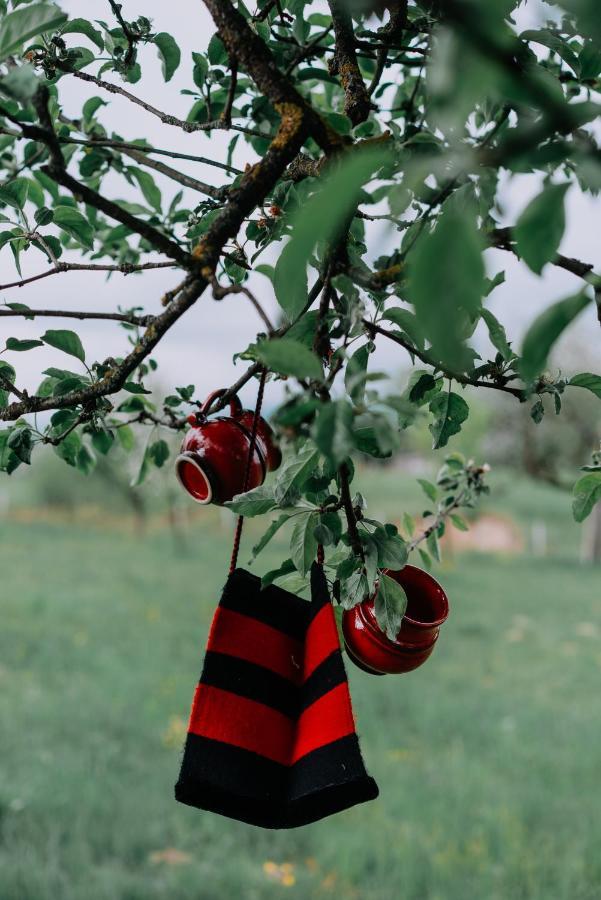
200, 347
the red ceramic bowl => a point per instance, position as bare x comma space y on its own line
427, 609
212, 461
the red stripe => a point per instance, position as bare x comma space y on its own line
326, 720
246, 638
226, 717
321, 640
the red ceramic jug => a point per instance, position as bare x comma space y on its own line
213, 456
427, 609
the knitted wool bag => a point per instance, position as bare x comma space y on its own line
271, 739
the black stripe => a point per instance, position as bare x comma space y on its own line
228, 769
328, 674
251, 681
239, 784
320, 594
273, 606
339, 762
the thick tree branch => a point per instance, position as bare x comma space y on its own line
357, 104
245, 45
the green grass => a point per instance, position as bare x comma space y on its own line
487, 758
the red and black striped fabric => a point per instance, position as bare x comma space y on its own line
271, 739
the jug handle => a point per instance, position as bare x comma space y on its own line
235, 405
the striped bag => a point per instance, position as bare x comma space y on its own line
271, 739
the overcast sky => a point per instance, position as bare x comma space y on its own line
200, 347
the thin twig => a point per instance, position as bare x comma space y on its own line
131, 319
165, 118
219, 292
124, 268
372, 327
180, 177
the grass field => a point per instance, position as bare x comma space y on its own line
487, 759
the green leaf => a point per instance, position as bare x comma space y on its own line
216, 51
169, 53
83, 26
253, 503
286, 568
9, 374
390, 606
67, 341
545, 330
355, 373
85, 461
589, 381
321, 218
22, 24
587, 493
458, 522
497, 334
554, 42
21, 444
15, 193
295, 471
392, 549
143, 470
20, 83
449, 411
332, 431
133, 387
43, 216
126, 437
77, 226
537, 413
273, 528
19, 346
303, 544
407, 322
433, 545
102, 441
158, 452
429, 489
290, 281
446, 280
151, 192
539, 229
288, 357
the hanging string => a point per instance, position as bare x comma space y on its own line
320, 555
249, 461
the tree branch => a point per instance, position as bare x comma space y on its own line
256, 58
425, 357
357, 104
180, 177
130, 319
349, 512
124, 268
503, 239
165, 118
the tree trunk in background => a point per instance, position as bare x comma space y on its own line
591, 537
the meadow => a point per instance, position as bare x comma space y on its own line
487, 758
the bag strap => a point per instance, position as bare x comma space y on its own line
249, 459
